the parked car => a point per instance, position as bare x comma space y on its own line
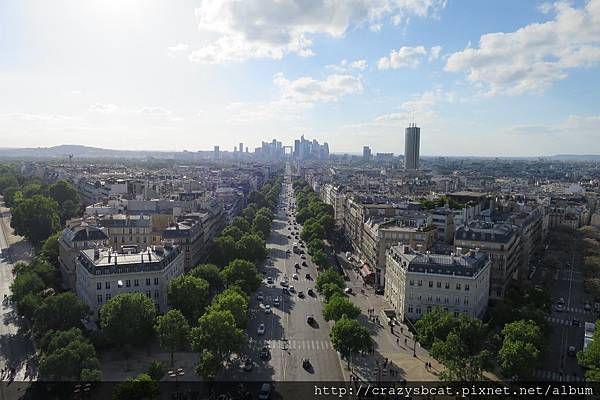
301, 294
295, 276
261, 329
270, 280
304, 264
292, 289
307, 276
268, 309
310, 292
348, 290
276, 301
305, 363
572, 351
310, 319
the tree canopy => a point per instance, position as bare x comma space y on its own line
243, 274
190, 295
173, 331
339, 306
36, 218
349, 337
128, 319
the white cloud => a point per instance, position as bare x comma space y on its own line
274, 28
532, 58
376, 27
573, 126
157, 110
177, 50
405, 57
434, 53
103, 108
345, 66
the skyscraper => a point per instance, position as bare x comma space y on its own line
366, 153
241, 148
412, 142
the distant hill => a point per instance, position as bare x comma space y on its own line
576, 157
79, 151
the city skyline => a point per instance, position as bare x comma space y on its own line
190, 75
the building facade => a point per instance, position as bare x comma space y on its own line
412, 143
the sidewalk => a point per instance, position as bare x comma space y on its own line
387, 345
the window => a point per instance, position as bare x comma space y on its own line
446, 300
420, 283
136, 282
428, 308
466, 301
156, 281
144, 239
411, 282
410, 309
430, 283
418, 310
457, 300
447, 285
466, 288
107, 285
439, 285
116, 238
156, 294
438, 299
455, 314
147, 281
122, 239
98, 285
148, 294
107, 297
429, 298
128, 283
458, 286
99, 297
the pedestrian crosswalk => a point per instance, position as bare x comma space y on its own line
559, 321
577, 310
555, 376
292, 297
293, 344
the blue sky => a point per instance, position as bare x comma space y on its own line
480, 78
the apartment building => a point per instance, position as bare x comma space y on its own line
502, 242
126, 230
416, 282
103, 273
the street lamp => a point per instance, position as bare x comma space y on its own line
176, 373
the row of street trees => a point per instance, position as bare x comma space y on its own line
348, 336
468, 347
317, 220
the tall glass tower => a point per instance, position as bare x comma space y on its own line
412, 142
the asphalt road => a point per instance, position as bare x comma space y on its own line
568, 284
287, 334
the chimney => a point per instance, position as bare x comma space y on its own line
115, 259
459, 250
109, 255
142, 254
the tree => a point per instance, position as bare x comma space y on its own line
208, 366
128, 319
45, 270
211, 274
320, 258
266, 212
257, 198
26, 283
349, 337
36, 218
59, 312
328, 224
140, 388
90, 375
261, 224
217, 332
28, 305
67, 197
315, 245
436, 324
520, 348
156, 371
190, 295
241, 224
329, 276
173, 331
241, 273
329, 290
250, 212
225, 250
234, 301
590, 358
50, 249
233, 232
339, 306
67, 355
252, 248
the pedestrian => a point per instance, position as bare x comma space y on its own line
397, 341
401, 330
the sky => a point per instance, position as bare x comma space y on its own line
481, 78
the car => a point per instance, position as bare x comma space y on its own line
268, 309
264, 392
289, 237
575, 322
295, 276
261, 329
348, 290
288, 251
248, 365
303, 257
296, 265
259, 296
379, 290
289, 228
276, 301
310, 292
307, 276
572, 351
301, 294
559, 307
265, 353
305, 363
292, 289
284, 283
270, 280
304, 264
310, 319
587, 306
